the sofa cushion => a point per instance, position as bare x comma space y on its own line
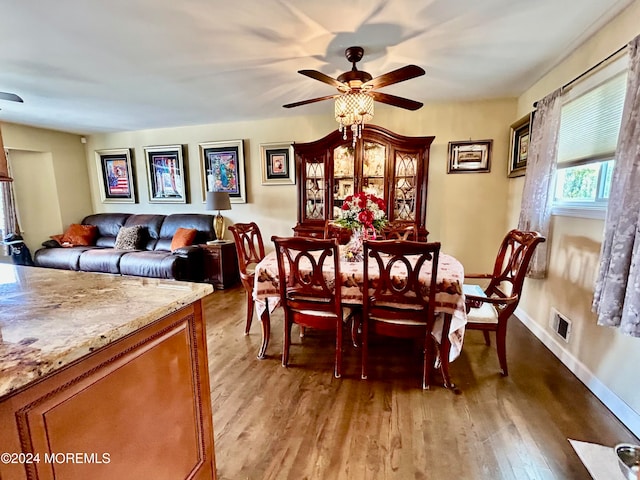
201, 222
103, 260
183, 238
131, 238
158, 264
63, 258
153, 224
108, 226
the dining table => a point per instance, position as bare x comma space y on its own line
450, 303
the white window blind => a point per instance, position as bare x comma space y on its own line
590, 123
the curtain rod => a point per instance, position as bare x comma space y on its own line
589, 70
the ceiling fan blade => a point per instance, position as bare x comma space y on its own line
395, 101
316, 75
12, 97
312, 100
395, 76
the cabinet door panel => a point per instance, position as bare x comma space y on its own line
343, 176
374, 160
315, 191
404, 188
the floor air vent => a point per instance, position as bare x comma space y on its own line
561, 325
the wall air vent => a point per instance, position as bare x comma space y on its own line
561, 325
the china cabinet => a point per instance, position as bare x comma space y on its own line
391, 166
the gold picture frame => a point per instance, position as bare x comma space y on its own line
222, 169
277, 163
519, 146
117, 183
166, 175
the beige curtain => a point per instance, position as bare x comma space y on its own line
9, 218
617, 294
535, 211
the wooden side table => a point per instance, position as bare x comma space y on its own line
221, 264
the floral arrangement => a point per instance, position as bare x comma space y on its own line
363, 212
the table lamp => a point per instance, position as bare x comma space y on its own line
218, 201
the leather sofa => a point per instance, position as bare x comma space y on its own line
156, 258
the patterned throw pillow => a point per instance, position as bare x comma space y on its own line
131, 238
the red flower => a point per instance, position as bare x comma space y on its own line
345, 206
365, 217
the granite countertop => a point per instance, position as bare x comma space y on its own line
49, 317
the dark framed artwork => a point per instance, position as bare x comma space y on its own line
519, 146
116, 176
472, 156
166, 174
222, 168
277, 162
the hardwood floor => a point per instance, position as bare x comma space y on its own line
301, 423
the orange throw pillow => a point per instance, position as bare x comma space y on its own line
58, 238
78, 235
183, 237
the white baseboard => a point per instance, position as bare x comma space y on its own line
629, 417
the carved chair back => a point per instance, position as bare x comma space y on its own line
310, 283
511, 264
249, 246
401, 231
396, 302
304, 286
333, 230
398, 292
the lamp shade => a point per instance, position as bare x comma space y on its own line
218, 201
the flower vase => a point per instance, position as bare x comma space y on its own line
353, 249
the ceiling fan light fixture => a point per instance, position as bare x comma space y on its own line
353, 109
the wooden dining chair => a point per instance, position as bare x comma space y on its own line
403, 231
398, 303
333, 230
310, 283
489, 309
250, 250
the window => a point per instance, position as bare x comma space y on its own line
589, 126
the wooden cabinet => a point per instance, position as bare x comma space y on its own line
138, 408
391, 166
221, 264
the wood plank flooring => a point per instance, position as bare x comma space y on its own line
275, 423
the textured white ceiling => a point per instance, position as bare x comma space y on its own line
90, 66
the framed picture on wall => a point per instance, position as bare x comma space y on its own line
277, 162
116, 176
166, 174
471, 156
222, 169
519, 146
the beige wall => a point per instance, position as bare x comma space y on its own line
575, 247
51, 179
461, 206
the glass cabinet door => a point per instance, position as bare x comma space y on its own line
314, 190
390, 166
374, 156
404, 188
343, 175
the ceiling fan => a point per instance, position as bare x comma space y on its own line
12, 97
358, 81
